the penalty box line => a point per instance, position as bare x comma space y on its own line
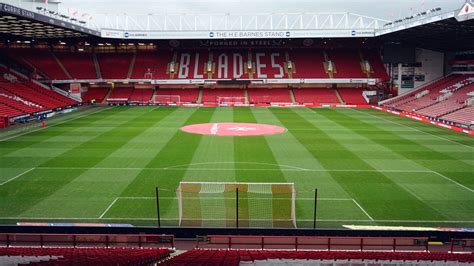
172, 219
220, 198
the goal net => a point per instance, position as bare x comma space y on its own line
167, 99
220, 204
231, 100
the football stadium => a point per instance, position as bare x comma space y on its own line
212, 133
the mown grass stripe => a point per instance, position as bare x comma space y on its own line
378, 195
256, 149
179, 150
26, 197
14, 143
459, 172
86, 187
433, 131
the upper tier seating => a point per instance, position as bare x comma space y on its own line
79, 65
347, 64
235, 257
81, 256
114, 65
377, 65
44, 61
141, 95
316, 96
463, 116
98, 94
264, 95
154, 63
185, 95
212, 95
308, 63
352, 95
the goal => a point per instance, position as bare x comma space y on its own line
221, 204
167, 99
231, 100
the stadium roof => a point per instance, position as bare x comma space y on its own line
433, 29
443, 35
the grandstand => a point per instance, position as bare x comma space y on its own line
309, 138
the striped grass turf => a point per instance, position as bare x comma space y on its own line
370, 167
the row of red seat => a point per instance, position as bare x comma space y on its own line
89, 256
255, 96
453, 108
307, 63
234, 257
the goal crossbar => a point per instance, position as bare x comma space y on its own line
269, 205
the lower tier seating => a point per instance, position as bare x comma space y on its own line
97, 94
235, 257
316, 96
8, 111
463, 116
212, 95
264, 95
456, 101
185, 95
352, 95
120, 95
141, 95
81, 256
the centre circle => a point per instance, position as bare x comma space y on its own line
233, 129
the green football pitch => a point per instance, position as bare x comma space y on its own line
101, 165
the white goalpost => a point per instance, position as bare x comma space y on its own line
231, 100
232, 204
167, 99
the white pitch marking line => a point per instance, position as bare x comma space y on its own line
153, 109
108, 208
214, 128
152, 198
15, 177
358, 205
393, 122
449, 179
240, 169
303, 220
62, 122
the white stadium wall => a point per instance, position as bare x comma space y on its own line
432, 65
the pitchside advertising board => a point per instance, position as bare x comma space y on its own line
269, 34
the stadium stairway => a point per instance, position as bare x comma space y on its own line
246, 95
132, 65
199, 98
292, 97
61, 65
97, 66
338, 95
